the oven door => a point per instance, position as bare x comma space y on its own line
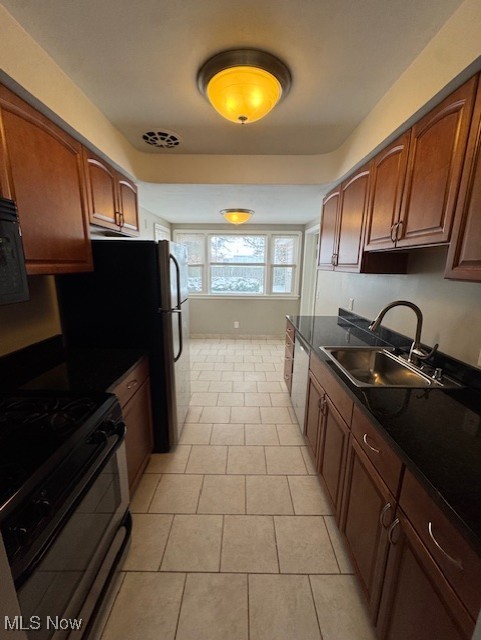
65, 584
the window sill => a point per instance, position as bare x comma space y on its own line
205, 296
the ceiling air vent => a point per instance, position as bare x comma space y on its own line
161, 139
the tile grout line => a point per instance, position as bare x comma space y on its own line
290, 494
277, 545
200, 494
221, 543
166, 542
180, 606
315, 606
248, 607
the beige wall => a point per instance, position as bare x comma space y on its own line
451, 309
24, 323
256, 317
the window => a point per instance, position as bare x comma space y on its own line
236, 264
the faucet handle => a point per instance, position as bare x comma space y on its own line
419, 354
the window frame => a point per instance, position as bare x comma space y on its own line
268, 265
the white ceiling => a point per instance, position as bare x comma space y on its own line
138, 59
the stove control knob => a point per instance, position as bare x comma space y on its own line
21, 533
43, 506
98, 437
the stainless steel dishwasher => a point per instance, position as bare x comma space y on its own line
299, 379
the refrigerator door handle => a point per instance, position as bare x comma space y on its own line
181, 341
177, 275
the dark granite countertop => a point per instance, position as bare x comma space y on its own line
436, 432
49, 366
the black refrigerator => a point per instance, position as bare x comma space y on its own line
137, 297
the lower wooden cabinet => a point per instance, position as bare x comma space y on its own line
289, 355
312, 426
332, 452
416, 588
133, 393
368, 512
138, 441
417, 602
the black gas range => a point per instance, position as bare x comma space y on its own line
64, 514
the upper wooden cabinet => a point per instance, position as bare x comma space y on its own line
436, 155
464, 257
41, 168
388, 172
112, 197
328, 234
342, 225
342, 231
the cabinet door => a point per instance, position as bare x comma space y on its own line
438, 145
138, 440
43, 171
367, 512
417, 603
129, 214
388, 172
288, 363
350, 235
332, 453
464, 257
315, 398
327, 235
102, 185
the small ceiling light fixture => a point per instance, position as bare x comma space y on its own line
243, 85
237, 216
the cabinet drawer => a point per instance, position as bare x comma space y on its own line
131, 382
336, 393
289, 350
386, 462
458, 561
290, 331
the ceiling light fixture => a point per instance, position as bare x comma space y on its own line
243, 85
237, 216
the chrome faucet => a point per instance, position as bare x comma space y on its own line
416, 353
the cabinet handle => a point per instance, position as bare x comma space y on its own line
393, 238
385, 509
287, 376
454, 561
399, 225
391, 531
117, 218
367, 443
321, 403
132, 384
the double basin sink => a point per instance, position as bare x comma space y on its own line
378, 367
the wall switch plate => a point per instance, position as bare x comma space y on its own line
479, 359
350, 306
236, 324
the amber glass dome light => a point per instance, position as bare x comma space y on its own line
237, 216
243, 85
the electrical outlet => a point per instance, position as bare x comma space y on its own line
236, 324
351, 304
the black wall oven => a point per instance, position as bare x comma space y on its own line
64, 520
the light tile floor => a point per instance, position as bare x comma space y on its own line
233, 538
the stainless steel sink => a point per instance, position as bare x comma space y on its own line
375, 367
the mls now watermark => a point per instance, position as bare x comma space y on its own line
19, 623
